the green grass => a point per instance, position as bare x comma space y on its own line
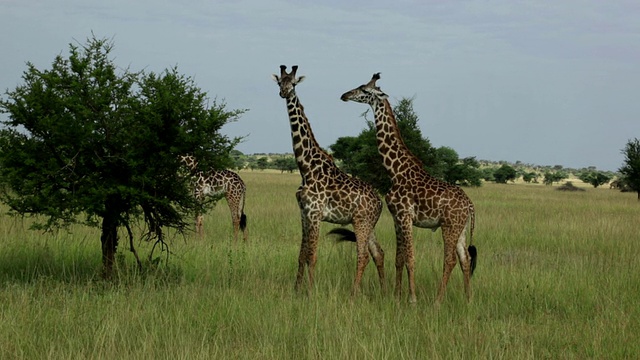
557, 277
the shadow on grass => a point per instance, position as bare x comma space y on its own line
35, 264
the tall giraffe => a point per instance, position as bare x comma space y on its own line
328, 194
219, 182
417, 198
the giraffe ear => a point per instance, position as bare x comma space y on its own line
382, 95
275, 78
300, 79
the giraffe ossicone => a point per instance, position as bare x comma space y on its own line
418, 199
328, 194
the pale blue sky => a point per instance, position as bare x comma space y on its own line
548, 83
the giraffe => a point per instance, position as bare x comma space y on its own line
328, 194
219, 182
418, 199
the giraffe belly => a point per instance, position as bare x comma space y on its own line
335, 216
428, 223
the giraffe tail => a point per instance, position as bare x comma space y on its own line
243, 221
473, 252
344, 234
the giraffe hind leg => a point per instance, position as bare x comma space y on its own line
378, 257
467, 258
200, 225
363, 259
450, 259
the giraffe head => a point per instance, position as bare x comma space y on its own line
368, 93
287, 82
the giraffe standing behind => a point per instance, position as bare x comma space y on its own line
219, 182
328, 194
417, 198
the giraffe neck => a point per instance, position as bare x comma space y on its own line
305, 147
397, 158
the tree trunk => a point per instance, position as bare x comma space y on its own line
109, 239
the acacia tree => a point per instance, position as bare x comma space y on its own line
551, 177
504, 173
86, 144
595, 178
631, 169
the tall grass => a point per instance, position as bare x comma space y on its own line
557, 278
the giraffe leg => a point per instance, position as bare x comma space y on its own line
304, 251
450, 238
400, 257
312, 256
407, 231
465, 262
236, 227
378, 257
362, 237
235, 216
199, 225
363, 260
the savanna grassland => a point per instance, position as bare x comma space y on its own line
557, 277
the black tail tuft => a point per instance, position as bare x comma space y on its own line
473, 253
345, 234
243, 221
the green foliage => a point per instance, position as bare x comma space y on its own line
487, 174
554, 176
286, 164
464, 173
262, 163
239, 159
504, 173
631, 169
85, 143
530, 177
595, 178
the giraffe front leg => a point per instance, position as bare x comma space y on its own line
302, 261
400, 258
312, 255
304, 249
304, 252
407, 235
